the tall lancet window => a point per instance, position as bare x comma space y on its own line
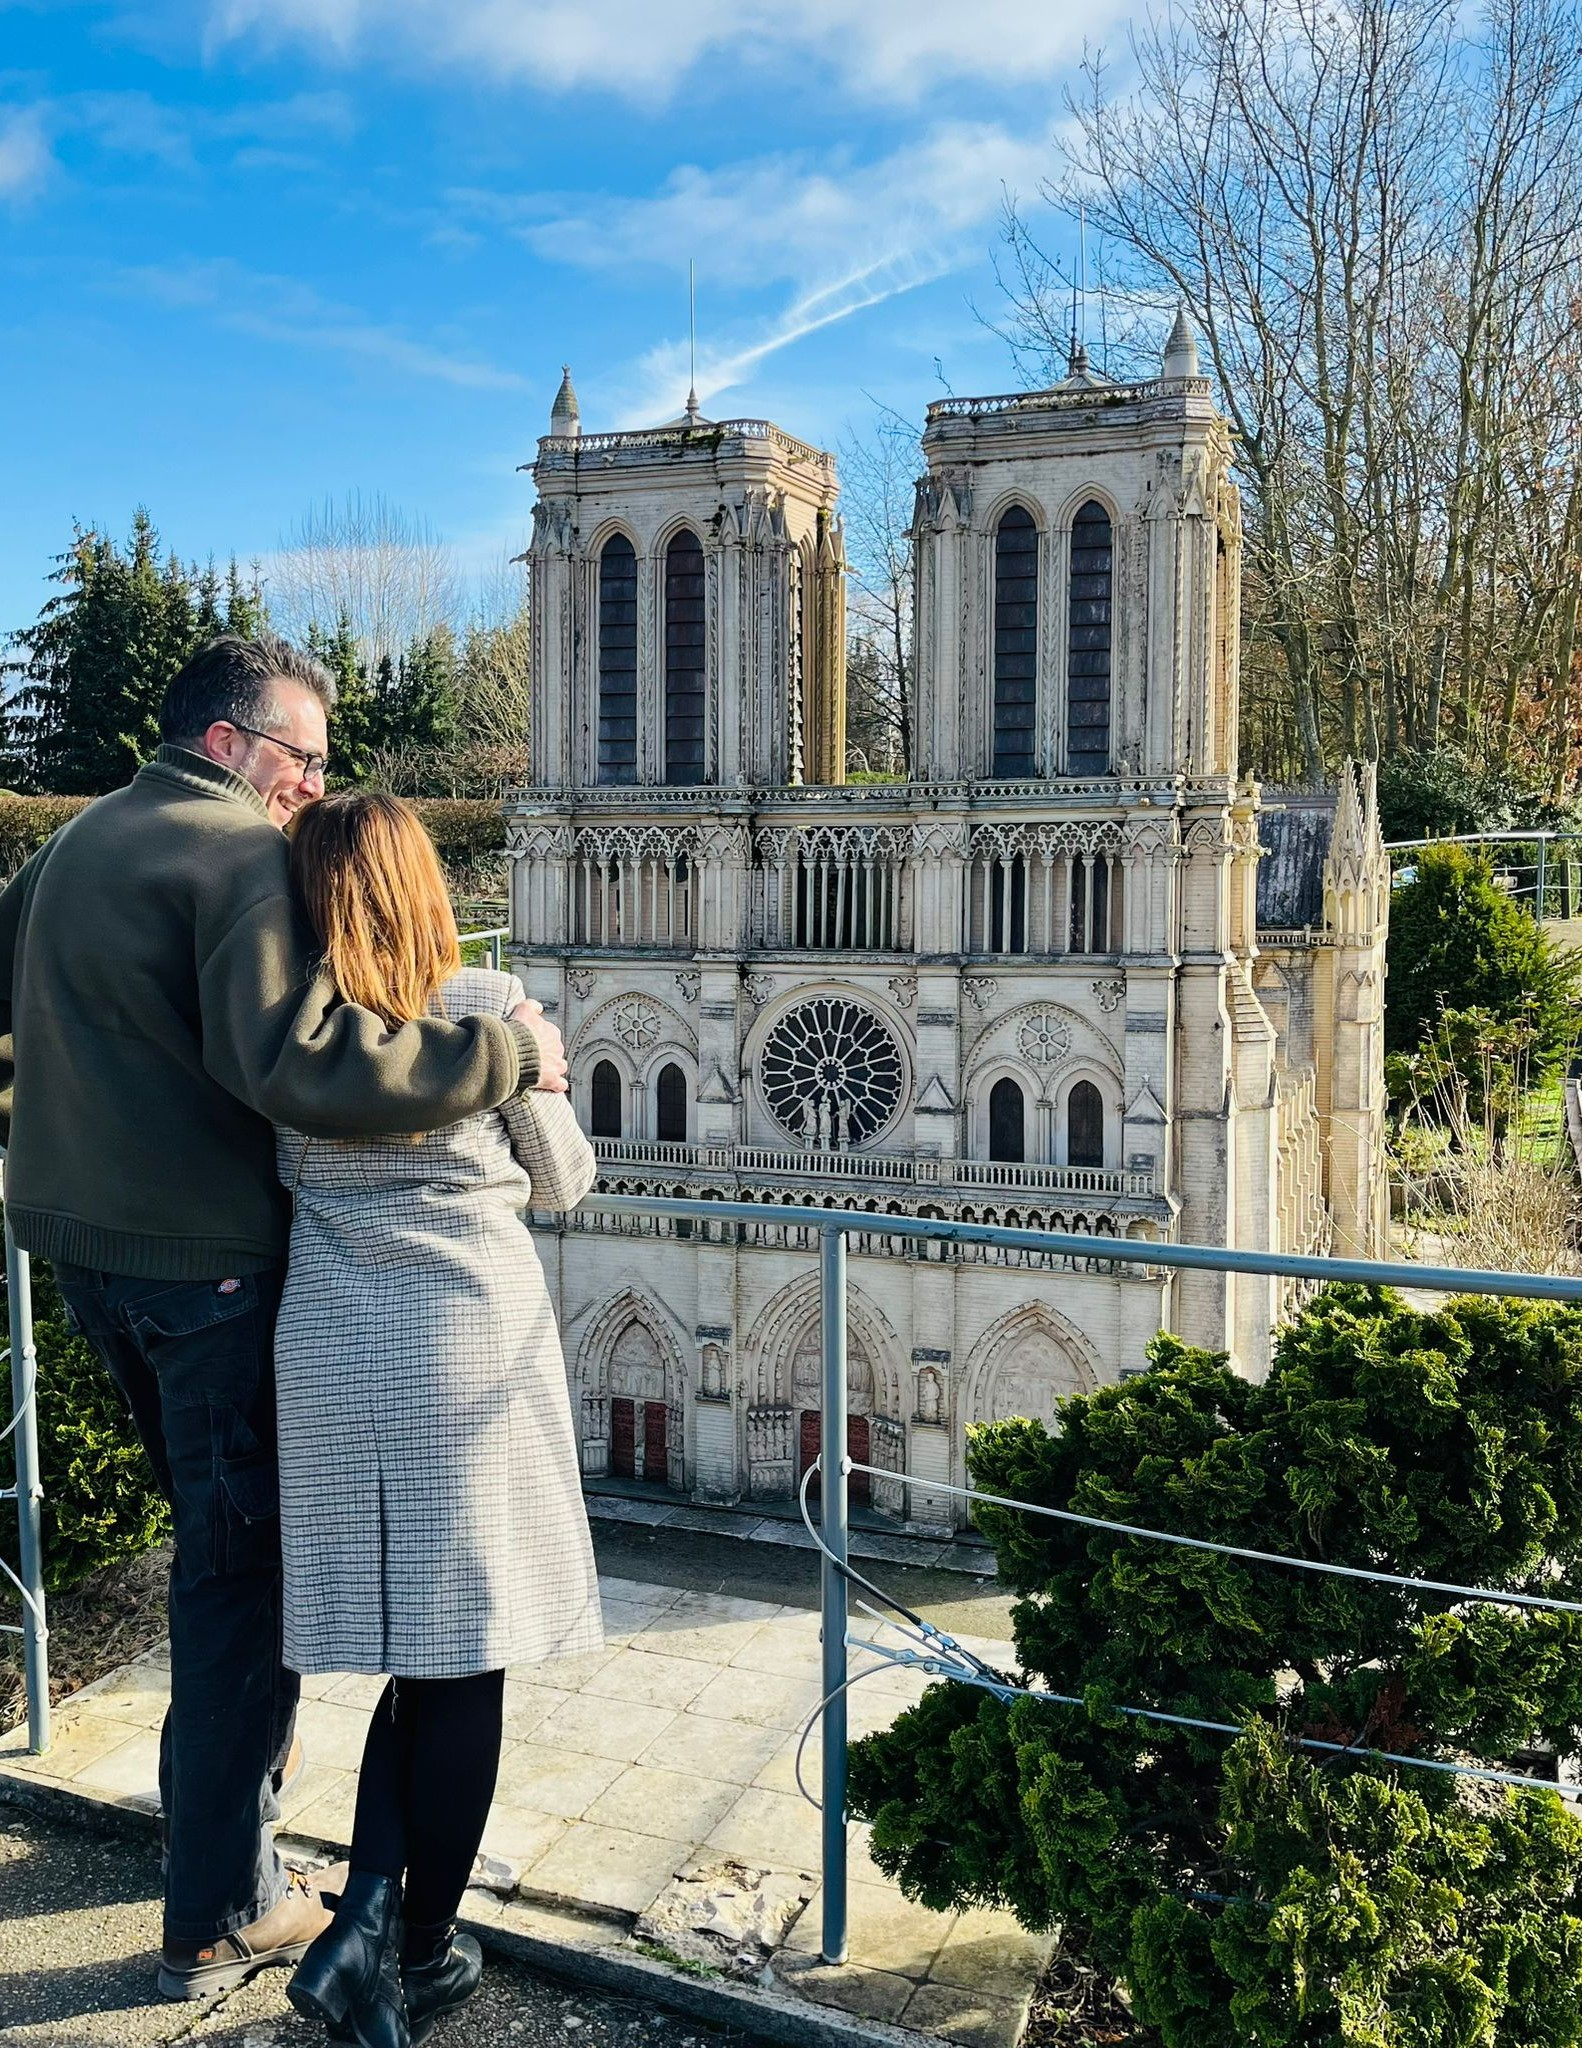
1007, 1121
1015, 646
618, 661
684, 644
1088, 650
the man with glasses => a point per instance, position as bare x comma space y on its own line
159, 1013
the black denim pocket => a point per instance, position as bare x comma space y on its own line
247, 1530
196, 1305
206, 1340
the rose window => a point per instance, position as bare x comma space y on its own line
1044, 1038
831, 1073
637, 1025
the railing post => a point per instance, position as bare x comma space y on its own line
495, 944
832, 1604
1543, 861
29, 1491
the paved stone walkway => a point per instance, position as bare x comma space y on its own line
651, 1784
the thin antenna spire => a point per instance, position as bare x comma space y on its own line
1079, 293
692, 338
1082, 232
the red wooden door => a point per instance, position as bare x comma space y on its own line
857, 1486
623, 1439
655, 1451
807, 1446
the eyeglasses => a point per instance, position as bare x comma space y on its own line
312, 764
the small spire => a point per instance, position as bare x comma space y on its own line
565, 419
1077, 358
1180, 357
692, 405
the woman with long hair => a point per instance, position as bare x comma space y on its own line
432, 1523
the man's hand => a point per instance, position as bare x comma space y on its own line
551, 1051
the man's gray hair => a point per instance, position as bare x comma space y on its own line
233, 679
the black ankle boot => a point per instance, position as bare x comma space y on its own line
440, 1969
350, 1979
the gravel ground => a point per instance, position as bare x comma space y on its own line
80, 1919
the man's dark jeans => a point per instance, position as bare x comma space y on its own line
195, 1361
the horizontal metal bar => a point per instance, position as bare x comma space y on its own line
1479, 839
1125, 1251
1566, 1787
1491, 1594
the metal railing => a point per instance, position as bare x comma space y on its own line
941, 1656
27, 1492
1556, 874
494, 939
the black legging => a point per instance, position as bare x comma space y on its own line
428, 1776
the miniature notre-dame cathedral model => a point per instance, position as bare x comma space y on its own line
1077, 974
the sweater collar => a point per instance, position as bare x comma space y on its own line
209, 778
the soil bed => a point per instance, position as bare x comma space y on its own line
1075, 2007
96, 1627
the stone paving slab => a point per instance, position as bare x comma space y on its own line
632, 1779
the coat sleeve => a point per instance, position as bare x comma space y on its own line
282, 1041
547, 1141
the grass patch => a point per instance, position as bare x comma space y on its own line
657, 1952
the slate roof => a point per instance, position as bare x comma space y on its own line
1295, 830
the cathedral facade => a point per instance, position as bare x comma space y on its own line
1042, 984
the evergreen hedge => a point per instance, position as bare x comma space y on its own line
465, 831
27, 821
1251, 1893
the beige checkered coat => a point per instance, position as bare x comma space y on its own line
431, 1512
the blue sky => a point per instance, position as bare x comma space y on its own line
261, 252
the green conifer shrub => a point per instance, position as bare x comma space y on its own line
1458, 944
1249, 1892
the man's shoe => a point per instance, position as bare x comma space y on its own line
350, 1979
201, 1969
440, 1969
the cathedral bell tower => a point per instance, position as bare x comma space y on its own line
688, 606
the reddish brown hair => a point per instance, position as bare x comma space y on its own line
367, 875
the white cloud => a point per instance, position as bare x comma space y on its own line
878, 49
841, 234
795, 217
26, 159
134, 124
282, 309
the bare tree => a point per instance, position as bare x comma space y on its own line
496, 679
878, 472
366, 561
488, 757
1374, 218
